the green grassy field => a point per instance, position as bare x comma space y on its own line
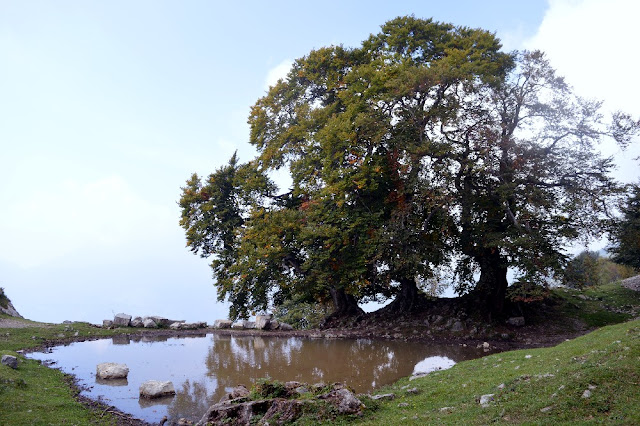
36, 395
539, 386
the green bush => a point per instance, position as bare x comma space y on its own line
301, 315
589, 269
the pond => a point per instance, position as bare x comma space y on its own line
204, 368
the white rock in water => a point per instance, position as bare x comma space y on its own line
156, 389
111, 370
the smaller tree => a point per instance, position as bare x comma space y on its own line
625, 231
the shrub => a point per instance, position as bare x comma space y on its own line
590, 269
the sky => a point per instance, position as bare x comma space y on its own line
107, 108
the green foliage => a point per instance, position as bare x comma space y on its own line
4, 300
425, 146
300, 314
267, 388
625, 231
590, 269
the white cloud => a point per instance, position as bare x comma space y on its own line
276, 73
593, 44
62, 218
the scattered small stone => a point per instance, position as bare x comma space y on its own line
485, 400
446, 409
413, 391
10, 361
586, 394
546, 409
403, 404
592, 387
501, 386
384, 396
527, 356
486, 345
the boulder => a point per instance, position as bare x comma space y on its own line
121, 320
137, 322
222, 323
175, 326
250, 325
274, 325
156, 389
107, 323
10, 361
516, 321
457, 326
161, 321
263, 322
111, 370
240, 391
344, 400
237, 414
238, 325
285, 327
149, 323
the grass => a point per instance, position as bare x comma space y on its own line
599, 305
34, 394
540, 386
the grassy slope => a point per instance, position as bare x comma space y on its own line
541, 386
34, 394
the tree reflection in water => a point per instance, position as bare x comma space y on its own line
203, 369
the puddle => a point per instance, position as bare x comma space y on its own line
204, 368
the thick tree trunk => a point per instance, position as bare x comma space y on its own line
406, 298
345, 304
492, 286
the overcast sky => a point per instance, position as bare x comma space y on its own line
107, 107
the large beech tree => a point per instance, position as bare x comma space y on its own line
423, 148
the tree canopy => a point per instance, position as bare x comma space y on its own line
424, 151
625, 232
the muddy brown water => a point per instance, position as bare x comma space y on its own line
204, 368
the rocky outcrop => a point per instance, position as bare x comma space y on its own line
237, 409
156, 389
6, 307
111, 370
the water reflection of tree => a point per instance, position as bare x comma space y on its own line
363, 363
191, 401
